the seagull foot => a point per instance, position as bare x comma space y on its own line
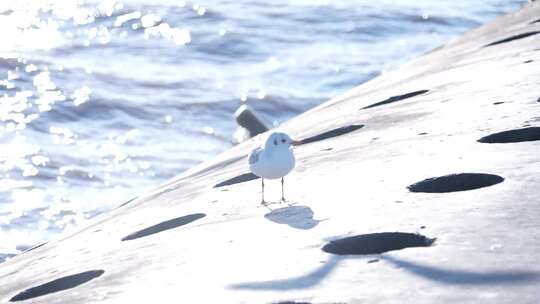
283, 200
265, 204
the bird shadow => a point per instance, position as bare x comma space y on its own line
469, 277
437, 274
299, 217
300, 282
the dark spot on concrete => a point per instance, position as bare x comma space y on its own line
373, 261
423, 133
163, 226
246, 177
327, 149
291, 302
538, 100
512, 38
513, 136
396, 98
376, 243
498, 102
422, 227
332, 133
60, 284
528, 61
534, 21
456, 182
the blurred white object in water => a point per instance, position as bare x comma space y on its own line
247, 119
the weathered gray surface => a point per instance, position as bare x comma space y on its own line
191, 242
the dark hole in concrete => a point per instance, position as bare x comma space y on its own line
246, 177
538, 100
396, 98
456, 182
512, 136
131, 200
332, 133
528, 61
423, 133
498, 102
535, 21
167, 225
60, 284
35, 247
376, 243
512, 38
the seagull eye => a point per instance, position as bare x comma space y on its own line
275, 142
283, 140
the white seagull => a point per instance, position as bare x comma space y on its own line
273, 160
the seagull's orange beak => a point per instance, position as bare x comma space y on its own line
297, 142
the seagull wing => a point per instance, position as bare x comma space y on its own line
254, 156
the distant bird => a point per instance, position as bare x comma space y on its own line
273, 160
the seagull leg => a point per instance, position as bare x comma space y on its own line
262, 199
282, 191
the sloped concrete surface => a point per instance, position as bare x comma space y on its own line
192, 242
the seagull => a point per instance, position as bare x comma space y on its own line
273, 160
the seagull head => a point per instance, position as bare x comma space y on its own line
280, 140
